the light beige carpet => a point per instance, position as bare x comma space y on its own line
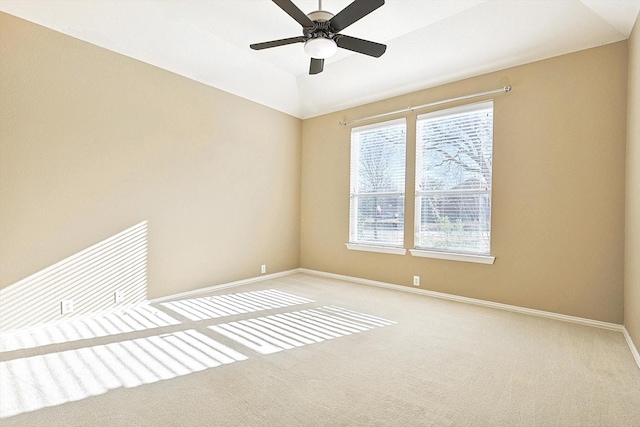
309, 351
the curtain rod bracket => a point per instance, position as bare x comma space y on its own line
505, 89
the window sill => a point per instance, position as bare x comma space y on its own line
379, 249
480, 259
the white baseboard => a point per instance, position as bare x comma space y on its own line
484, 303
632, 347
200, 291
440, 295
540, 313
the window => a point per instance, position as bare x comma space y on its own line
453, 180
378, 154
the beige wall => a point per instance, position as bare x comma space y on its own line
632, 248
558, 192
93, 142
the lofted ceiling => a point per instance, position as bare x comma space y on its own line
429, 42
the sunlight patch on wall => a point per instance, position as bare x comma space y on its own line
131, 319
271, 334
90, 278
33, 383
232, 304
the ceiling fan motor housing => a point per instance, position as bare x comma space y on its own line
320, 16
321, 28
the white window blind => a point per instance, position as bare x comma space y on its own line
453, 179
378, 154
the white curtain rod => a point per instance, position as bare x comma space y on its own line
505, 89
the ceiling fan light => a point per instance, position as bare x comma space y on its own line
320, 48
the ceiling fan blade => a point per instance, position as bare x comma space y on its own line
353, 12
361, 46
316, 66
294, 12
275, 43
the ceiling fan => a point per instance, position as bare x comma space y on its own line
321, 30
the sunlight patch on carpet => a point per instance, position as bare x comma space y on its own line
133, 319
278, 332
32, 383
233, 304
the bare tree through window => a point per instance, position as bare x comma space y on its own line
453, 179
377, 184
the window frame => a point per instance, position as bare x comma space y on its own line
354, 194
450, 253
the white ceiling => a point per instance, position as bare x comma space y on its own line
429, 42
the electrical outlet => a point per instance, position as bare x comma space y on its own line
118, 296
263, 268
66, 306
416, 280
